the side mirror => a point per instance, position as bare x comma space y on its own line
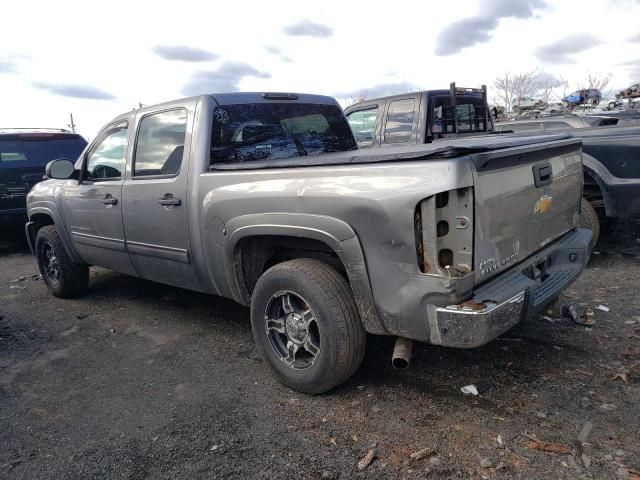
61, 169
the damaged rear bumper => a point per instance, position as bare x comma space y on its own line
519, 293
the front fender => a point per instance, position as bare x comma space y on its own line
51, 210
335, 233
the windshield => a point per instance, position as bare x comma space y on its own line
37, 149
269, 131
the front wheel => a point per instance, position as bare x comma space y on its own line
306, 325
63, 277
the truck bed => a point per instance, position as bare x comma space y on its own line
444, 148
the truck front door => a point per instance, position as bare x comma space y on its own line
155, 198
92, 206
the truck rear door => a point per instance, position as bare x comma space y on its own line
525, 198
155, 199
365, 124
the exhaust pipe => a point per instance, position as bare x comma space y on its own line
401, 353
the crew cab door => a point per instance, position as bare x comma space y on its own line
92, 206
155, 199
401, 120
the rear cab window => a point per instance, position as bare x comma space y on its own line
363, 124
37, 149
470, 113
269, 131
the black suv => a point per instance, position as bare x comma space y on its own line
23, 156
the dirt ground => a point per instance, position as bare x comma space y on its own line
138, 380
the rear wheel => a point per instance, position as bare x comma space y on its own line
63, 277
589, 219
306, 325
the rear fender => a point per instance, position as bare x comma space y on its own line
336, 234
602, 177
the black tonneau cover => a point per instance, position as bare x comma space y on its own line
449, 148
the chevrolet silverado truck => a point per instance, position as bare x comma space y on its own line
265, 199
611, 172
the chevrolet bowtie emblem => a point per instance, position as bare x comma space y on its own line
543, 205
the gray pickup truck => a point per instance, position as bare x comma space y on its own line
265, 199
610, 145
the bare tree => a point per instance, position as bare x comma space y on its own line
504, 86
547, 88
355, 98
599, 81
514, 86
564, 87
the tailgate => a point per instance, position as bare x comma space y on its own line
525, 197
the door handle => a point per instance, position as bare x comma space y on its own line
169, 199
109, 200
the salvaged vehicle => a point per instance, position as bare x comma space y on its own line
590, 96
632, 91
607, 150
23, 156
264, 198
421, 117
522, 104
611, 149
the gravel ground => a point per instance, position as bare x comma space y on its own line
139, 380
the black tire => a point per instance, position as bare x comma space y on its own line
317, 288
63, 277
589, 219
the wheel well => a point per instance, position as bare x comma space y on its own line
39, 220
254, 255
592, 192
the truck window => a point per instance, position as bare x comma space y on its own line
399, 124
160, 145
269, 131
106, 159
363, 125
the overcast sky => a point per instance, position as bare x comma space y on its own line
99, 59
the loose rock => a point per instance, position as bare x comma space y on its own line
366, 460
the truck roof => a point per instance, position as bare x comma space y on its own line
439, 92
262, 97
253, 97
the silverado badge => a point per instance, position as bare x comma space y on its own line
543, 204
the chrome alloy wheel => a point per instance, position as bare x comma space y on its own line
292, 330
50, 262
